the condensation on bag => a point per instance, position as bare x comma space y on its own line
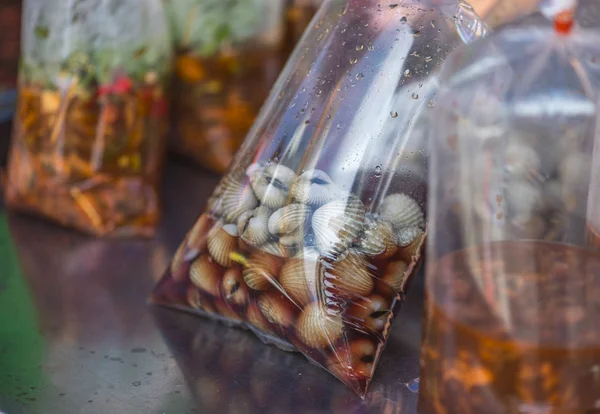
313, 236
89, 130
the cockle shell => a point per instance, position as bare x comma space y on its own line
194, 299
351, 274
276, 308
233, 287
253, 226
262, 271
255, 318
407, 235
237, 197
396, 275
412, 251
274, 249
205, 275
357, 360
379, 239
373, 313
271, 184
315, 188
198, 235
337, 224
299, 278
178, 263
402, 211
319, 328
222, 241
289, 219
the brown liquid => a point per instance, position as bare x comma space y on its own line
217, 99
88, 162
535, 350
365, 327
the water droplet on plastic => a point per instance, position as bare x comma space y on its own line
431, 103
360, 47
415, 95
404, 19
407, 72
307, 122
371, 47
416, 54
428, 59
360, 75
394, 114
416, 33
353, 60
136, 383
378, 171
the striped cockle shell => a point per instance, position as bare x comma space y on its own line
351, 275
358, 360
402, 211
299, 277
255, 318
372, 313
262, 271
315, 188
289, 219
407, 235
379, 239
222, 241
205, 275
275, 249
237, 197
413, 250
179, 266
276, 308
396, 275
233, 287
318, 328
253, 226
271, 184
337, 224
197, 237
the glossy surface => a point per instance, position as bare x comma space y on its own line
77, 337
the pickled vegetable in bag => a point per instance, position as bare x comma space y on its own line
312, 237
228, 57
89, 129
513, 259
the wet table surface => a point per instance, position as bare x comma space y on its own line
76, 335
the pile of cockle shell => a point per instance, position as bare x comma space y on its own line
304, 263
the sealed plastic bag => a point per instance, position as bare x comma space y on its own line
312, 237
513, 266
89, 130
227, 61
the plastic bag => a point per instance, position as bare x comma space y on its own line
513, 267
312, 237
228, 57
89, 130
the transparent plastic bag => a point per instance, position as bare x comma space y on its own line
90, 126
228, 57
312, 237
513, 266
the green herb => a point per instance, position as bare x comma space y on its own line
42, 32
204, 26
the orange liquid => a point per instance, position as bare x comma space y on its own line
527, 340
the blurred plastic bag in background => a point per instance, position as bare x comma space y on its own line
228, 57
312, 237
89, 130
513, 267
